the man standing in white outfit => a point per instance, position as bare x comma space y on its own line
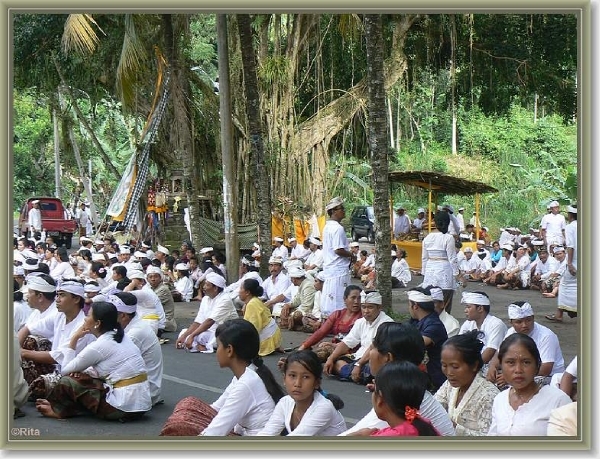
336, 259
35, 220
553, 226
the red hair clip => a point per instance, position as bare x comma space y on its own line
410, 413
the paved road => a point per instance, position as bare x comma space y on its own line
199, 375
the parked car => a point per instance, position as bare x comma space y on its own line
53, 220
362, 222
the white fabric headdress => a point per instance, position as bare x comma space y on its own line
519, 312
475, 298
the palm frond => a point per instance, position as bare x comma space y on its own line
79, 35
132, 54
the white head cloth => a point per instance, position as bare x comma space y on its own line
216, 280
153, 270
437, 294
73, 287
418, 297
38, 284
519, 312
475, 298
91, 288
335, 202
373, 298
120, 305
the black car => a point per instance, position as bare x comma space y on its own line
362, 222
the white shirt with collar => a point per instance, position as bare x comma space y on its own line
363, 332
144, 337
548, 345
56, 325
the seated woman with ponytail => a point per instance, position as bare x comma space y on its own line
248, 401
107, 378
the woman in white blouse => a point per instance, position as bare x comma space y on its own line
524, 408
184, 285
63, 269
248, 402
307, 409
107, 378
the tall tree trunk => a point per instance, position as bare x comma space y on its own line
257, 149
378, 150
453, 80
232, 246
175, 29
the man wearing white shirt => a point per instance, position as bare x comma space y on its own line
248, 270
520, 314
477, 312
275, 286
35, 219
219, 308
336, 259
401, 223
567, 290
356, 368
460, 216
299, 252
280, 250
553, 225
60, 326
470, 266
314, 261
41, 295
417, 223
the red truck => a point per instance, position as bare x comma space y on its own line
53, 220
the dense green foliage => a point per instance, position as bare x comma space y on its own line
512, 77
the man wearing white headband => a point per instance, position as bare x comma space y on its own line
521, 316
41, 295
299, 251
450, 323
276, 286
557, 268
425, 319
248, 270
314, 260
215, 308
91, 289
567, 289
154, 276
355, 367
149, 304
553, 225
60, 326
302, 302
143, 337
477, 312
280, 250
336, 258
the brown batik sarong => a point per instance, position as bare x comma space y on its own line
189, 418
82, 395
31, 369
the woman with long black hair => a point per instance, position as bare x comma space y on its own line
107, 378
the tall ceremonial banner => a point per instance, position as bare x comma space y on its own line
117, 207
